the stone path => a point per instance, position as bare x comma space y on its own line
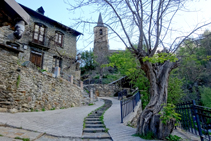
62, 123
67, 125
94, 125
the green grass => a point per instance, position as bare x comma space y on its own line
53, 108
62, 108
18, 80
90, 104
148, 136
23, 139
43, 109
1, 135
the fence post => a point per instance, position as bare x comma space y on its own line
197, 120
133, 103
71, 79
121, 111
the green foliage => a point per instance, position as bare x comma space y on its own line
53, 108
1, 135
173, 138
88, 61
24, 139
168, 113
106, 129
128, 65
43, 109
161, 58
148, 136
175, 92
18, 80
90, 104
205, 96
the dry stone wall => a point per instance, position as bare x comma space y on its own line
26, 89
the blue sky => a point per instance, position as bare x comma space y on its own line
57, 10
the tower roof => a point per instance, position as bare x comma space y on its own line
100, 21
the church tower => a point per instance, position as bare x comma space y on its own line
101, 46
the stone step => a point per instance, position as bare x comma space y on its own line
94, 130
93, 122
94, 126
97, 139
102, 135
92, 119
93, 116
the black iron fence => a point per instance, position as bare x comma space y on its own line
128, 105
121, 94
195, 119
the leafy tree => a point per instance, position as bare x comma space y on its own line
205, 96
88, 61
150, 22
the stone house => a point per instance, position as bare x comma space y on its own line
46, 43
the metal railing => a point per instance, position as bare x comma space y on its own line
195, 119
128, 105
121, 94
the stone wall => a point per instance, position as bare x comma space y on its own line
102, 90
27, 89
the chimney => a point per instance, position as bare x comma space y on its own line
40, 10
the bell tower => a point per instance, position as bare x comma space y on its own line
101, 45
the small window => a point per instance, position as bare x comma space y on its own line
13, 45
57, 62
59, 38
101, 32
39, 33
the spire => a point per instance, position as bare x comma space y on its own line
100, 21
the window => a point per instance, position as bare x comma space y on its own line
101, 32
39, 33
36, 58
57, 62
13, 45
59, 38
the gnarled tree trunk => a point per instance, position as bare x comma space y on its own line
149, 120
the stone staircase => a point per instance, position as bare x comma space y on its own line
94, 125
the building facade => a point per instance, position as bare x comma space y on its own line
46, 43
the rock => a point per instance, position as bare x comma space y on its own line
14, 57
73, 105
25, 106
18, 69
13, 110
3, 109
2, 87
26, 64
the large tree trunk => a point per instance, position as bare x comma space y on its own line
149, 120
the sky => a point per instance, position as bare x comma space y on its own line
57, 10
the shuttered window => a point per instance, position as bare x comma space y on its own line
36, 58
59, 38
39, 33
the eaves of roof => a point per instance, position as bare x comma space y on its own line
53, 22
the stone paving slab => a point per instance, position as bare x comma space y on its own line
63, 122
9, 133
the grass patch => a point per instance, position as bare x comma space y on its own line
106, 129
130, 125
23, 139
62, 108
1, 135
148, 136
43, 109
90, 104
53, 108
18, 80
173, 138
